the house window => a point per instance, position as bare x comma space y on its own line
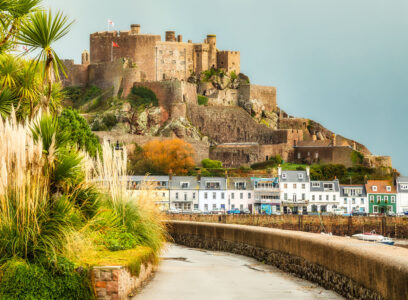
328, 186
285, 185
294, 185
241, 206
214, 195
195, 206
375, 209
371, 199
388, 188
334, 197
303, 186
185, 197
353, 201
240, 185
345, 200
285, 196
284, 175
232, 206
206, 207
193, 195
327, 197
213, 185
362, 201
184, 185
241, 196
222, 195
298, 155
317, 155
404, 186
374, 188
392, 199
163, 194
303, 196
386, 198
176, 195
249, 195
313, 197
232, 195
205, 195
214, 206
300, 176
320, 197
315, 184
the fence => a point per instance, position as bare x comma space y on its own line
396, 227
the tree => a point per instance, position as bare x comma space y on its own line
211, 164
163, 157
75, 126
40, 32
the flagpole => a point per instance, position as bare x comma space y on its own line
112, 51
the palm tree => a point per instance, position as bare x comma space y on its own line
12, 14
40, 32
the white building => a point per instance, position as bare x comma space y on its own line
402, 194
294, 190
324, 196
240, 194
184, 192
212, 194
353, 198
266, 195
160, 184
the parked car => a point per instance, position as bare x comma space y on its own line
234, 211
246, 211
358, 213
174, 211
196, 211
337, 212
217, 212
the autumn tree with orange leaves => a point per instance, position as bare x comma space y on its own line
162, 157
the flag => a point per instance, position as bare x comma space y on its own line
110, 22
25, 48
115, 45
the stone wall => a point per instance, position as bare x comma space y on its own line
325, 155
171, 92
228, 97
107, 75
234, 125
263, 94
352, 268
116, 282
77, 75
375, 161
229, 61
293, 123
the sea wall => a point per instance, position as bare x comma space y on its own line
352, 268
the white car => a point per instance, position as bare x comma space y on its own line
338, 212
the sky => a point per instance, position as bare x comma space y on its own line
343, 63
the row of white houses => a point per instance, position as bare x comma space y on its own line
290, 192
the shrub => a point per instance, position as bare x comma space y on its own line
72, 124
357, 158
23, 280
202, 100
119, 239
142, 96
211, 164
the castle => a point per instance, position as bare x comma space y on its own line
124, 57
241, 124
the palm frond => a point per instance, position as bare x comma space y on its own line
6, 102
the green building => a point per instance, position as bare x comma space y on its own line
382, 197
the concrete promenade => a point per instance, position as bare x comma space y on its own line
186, 273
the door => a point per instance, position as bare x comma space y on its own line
250, 207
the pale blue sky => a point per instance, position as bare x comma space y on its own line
343, 63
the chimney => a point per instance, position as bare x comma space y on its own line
135, 28
199, 175
170, 36
179, 38
279, 171
308, 171
170, 174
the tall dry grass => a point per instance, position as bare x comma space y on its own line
119, 207
30, 221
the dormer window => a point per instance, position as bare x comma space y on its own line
300, 176
374, 188
404, 186
184, 185
213, 185
284, 175
315, 184
388, 188
240, 185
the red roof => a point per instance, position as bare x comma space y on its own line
381, 187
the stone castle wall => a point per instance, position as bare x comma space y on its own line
263, 94
76, 75
229, 61
106, 75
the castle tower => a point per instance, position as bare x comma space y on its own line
85, 57
170, 36
135, 29
212, 51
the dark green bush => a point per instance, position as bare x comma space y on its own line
142, 96
211, 164
72, 124
44, 280
202, 100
